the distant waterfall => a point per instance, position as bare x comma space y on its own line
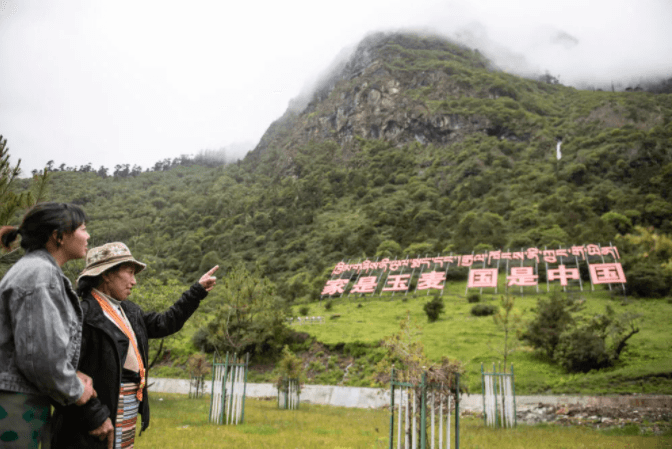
558, 154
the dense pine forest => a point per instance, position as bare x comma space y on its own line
415, 146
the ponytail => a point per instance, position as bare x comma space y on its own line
8, 235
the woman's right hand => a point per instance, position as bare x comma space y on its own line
89, 392
106, 430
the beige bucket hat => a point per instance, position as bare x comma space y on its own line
102, 258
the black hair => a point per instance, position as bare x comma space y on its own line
88, 283
41, 221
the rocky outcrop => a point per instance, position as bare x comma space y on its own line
378, 94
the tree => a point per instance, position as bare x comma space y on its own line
10, 201
290, 366
510, 323
576, 343
136, 170
598, 343
198, 364
121, 170
102, 172
478, 228
250, 318
648, 261
406, 353
553, 317
389, 249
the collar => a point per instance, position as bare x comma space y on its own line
115, 302
44, 254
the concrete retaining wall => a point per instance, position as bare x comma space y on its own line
377, 397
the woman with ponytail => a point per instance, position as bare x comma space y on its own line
40, 324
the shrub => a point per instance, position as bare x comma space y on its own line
434, 308
290, 366
582, 350
648, 281
474, 297
579, 344
198, 364
483, 310
328, 305
304, 310
316, 366
202, 342
456, 275
553, 317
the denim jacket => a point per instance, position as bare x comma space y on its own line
40, 330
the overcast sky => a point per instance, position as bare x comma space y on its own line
139, 81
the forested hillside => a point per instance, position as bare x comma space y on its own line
415, 146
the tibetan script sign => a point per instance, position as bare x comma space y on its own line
521, 267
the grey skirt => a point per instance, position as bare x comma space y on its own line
24, 420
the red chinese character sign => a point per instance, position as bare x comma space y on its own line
485, 277
397, 283
366, 284
520, 268
334, 287
607, 273
433, 279
522, 276
563, 274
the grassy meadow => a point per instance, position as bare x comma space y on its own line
179, 422
645, 365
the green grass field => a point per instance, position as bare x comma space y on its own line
179, 422
645, 365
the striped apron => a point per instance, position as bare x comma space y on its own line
127, 415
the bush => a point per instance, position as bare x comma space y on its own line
474, 297
579, 344
304, 310
202, 342
648, 281
328, 305
434, 308
458, 274
581, 351
483, 310
553, 317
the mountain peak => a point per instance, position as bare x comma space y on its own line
373, 94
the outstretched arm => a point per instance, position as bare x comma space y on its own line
161, 325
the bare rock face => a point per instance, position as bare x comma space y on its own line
377, 106
380, 94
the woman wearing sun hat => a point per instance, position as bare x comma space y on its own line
115, 347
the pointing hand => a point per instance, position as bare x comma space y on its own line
208, 281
